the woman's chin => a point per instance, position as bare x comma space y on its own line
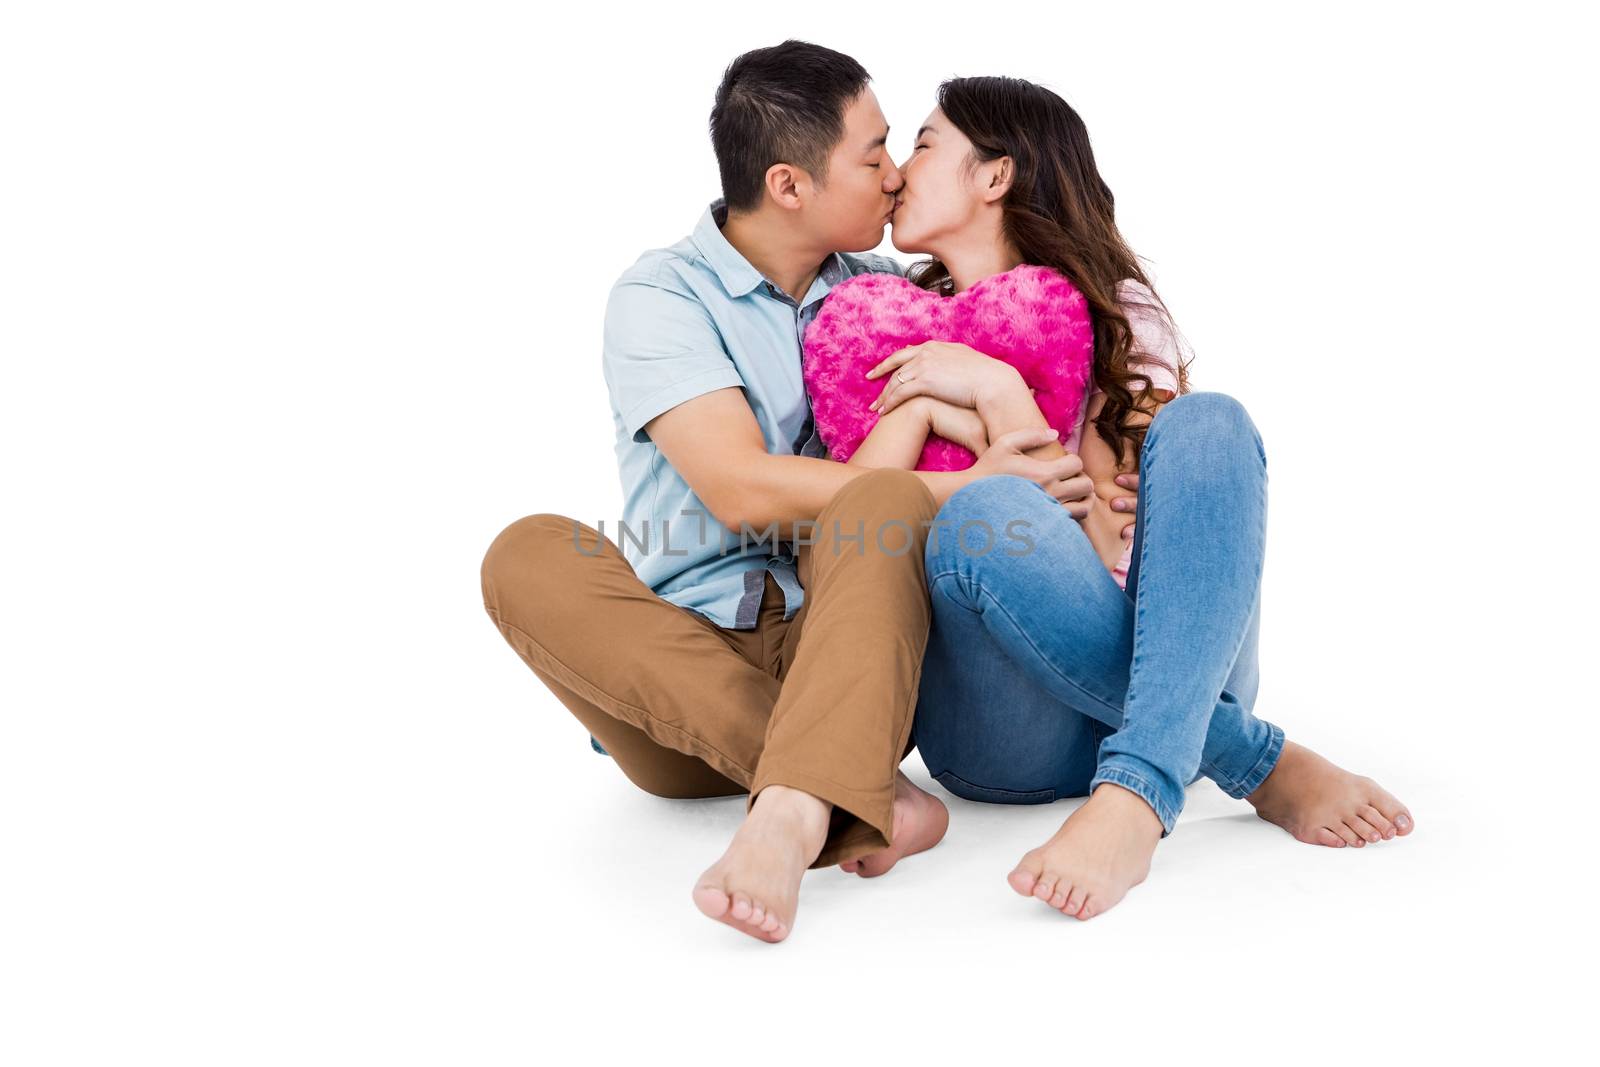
904, 242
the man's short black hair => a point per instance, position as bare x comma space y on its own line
783, 104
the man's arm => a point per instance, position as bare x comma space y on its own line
714, 442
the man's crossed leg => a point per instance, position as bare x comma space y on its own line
810, 715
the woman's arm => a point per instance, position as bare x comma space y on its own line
898, 437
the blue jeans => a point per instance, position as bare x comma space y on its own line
1042, 678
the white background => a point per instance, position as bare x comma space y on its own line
301, 305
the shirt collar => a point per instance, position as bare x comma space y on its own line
736, 273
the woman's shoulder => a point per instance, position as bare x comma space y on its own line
1136, 297
1157, 348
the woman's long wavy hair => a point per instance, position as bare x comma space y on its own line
1059, 213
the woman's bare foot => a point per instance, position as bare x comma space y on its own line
1323, 804
1101, 851
755, 886
920, 820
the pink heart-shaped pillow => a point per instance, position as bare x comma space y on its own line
1032, 317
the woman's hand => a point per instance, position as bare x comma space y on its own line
1128, 505
1107, 531
944, 370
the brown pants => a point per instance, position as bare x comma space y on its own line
822, 702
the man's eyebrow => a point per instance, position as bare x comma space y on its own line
878, 142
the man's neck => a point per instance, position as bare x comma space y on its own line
773, 250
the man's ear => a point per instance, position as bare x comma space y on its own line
787, 185
1000, 174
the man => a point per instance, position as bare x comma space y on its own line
703, 663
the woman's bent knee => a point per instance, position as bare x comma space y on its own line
991, 516
1217, 412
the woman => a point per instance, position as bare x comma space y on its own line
1044, 677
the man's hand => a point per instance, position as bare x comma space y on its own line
945, 370
1062, 477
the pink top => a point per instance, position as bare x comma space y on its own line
1159, 350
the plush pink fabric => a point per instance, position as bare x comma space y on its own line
1032, 317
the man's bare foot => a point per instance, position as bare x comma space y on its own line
1101, 851
920, 820
755, 886
1323, 804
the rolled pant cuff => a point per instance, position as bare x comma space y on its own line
1258, 774
1118, 774
861, 823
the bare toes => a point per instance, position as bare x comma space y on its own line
711, 900
741, 907
1327, 837
1376, 820
1058, 899
1347, 835
1045, 887
1393, 810
1023, 881
1075, 900
1363, 829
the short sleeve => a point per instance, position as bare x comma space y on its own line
1156, 349
889, 265
871, 263
661, 348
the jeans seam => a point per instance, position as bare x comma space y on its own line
1147, 455
992, 788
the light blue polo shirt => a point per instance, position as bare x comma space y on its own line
681, 322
